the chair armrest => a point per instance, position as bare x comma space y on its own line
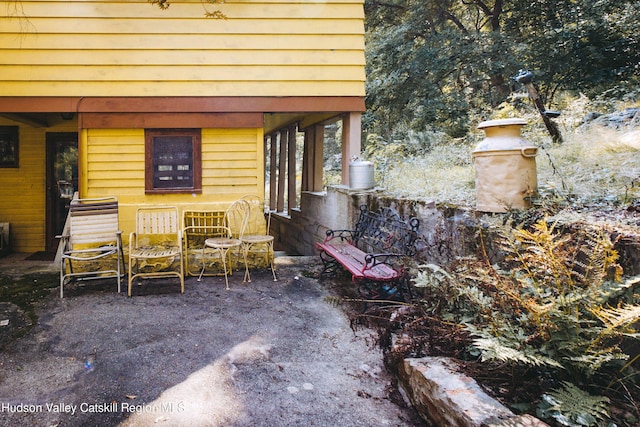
64, 239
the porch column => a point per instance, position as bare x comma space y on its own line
318, 158
351, 145
307, 159
312, 160
273, 175
282, 171
292, 194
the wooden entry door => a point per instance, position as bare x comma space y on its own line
62, 182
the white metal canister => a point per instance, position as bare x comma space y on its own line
361, 175
506, 176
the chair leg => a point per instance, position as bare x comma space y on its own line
118, 269
130, 276
181, 275
224, 253
62, 278
204, 263
247, 274
272, 256
224, 265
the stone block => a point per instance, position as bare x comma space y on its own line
444, 397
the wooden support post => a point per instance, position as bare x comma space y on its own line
282, 169
312, 158
307, 159
351, 145
291, 169
265, 154
318, 158
273, 170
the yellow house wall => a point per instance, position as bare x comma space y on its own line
22, 189
113, 48
112, 163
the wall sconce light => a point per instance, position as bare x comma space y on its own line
67, 116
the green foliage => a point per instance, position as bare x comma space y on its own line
557, 303
502, 348
596, 165
571, 406
446, 64
577, 45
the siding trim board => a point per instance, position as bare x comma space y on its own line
222, 104
170, 120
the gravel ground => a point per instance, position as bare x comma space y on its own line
261, 354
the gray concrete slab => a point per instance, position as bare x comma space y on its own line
261, 354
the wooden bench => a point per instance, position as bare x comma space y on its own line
372, 252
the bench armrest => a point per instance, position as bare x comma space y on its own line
347, 235
371, 260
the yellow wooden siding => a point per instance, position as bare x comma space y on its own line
22, 189
265, 48
232, 166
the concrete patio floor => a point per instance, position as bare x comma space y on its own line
264, 353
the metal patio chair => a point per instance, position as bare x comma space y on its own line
155, 248
197, 226
256, 240
93, 243
225, 239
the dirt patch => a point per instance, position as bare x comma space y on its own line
265, 353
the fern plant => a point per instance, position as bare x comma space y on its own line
573, 407
563, 283
556, 303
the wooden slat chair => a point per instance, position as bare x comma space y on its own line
93, 243
196, 227
256, 240
155, 248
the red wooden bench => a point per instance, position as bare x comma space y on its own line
372, 251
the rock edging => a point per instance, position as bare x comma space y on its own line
443, 396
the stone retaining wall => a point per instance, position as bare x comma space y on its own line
446, 232
442, 229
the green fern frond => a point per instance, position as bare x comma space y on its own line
592, 362
571, 406
476, 296
493, 349
430, 275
